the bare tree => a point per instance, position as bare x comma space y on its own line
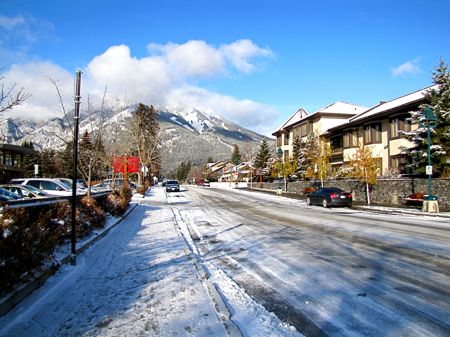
11, 96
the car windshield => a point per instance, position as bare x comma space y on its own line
8, 194
35, 190
66, 182
172, 182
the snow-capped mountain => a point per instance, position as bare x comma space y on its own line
186, 135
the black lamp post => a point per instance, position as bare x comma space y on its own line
73, 254
280, 156
429, 120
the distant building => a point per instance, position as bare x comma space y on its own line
15, 161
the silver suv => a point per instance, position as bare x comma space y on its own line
49, 185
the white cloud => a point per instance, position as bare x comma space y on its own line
18, 34
410, 67
10, 23
168, 75
34, 78
248, 113
240, 53
194, 58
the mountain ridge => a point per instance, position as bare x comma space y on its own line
186, 135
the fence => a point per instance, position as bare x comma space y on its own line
385, 192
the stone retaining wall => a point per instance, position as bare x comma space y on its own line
385, 192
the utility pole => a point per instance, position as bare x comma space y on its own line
77, 98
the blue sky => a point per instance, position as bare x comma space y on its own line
253, 62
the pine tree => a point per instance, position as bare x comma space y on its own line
439, 102
236, 156
263, 155
296, 149
145, 136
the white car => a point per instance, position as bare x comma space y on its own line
49, 185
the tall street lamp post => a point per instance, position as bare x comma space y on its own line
280, 156
430, 202
73, 254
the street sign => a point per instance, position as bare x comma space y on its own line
429, 170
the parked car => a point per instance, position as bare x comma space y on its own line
329, 196
69, 182
49, 185
101, 187
118, 183
172, 186
26, 191
206, 183
6, 195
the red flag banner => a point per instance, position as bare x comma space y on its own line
133, 164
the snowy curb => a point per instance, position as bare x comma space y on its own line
223, 311
9, 301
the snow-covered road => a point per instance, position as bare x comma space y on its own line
338, 272
223, 262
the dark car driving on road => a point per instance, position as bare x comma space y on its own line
172, 186
329, 196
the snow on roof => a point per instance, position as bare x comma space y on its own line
296, 117
395, 103
342, 108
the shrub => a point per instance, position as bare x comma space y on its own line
28, 237
25, 245
117, 202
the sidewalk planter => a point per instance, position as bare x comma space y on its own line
430, 204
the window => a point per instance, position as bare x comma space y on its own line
305, 129
286, 139
350, 139
401, 164
372, 133
50, 185
398, 125
34, 183
336, 143
379, 164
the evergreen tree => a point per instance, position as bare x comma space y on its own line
439, 102
183, 171
296, 149
146, 136
236, 156
263, 155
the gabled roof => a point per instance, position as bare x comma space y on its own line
295, 118
341, 108
396, 103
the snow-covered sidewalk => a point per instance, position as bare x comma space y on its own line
144, 278
138, 280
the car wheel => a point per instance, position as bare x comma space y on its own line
325, 203
308, 201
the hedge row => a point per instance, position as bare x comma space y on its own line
28, 237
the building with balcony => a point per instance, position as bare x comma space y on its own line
302, 124
382, 128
